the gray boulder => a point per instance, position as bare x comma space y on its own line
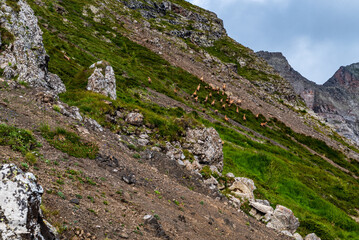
206, 145
283, 219
20, 199
311, 236
134, 118
25, 57
243, 188
297, 236
102, 80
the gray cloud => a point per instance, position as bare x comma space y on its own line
316, 36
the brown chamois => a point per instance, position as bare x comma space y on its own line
199, 87
195, 93
213, 102
196, 99
237, 110
239, 101
244, 117
175, 90
224, 106
257, 116
263, 124
201, 79
210, 94
222, 93
225, 118
216, 111
224, 87
149, 80
66, 57
206, 99
221, 100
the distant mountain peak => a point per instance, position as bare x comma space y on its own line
346, 77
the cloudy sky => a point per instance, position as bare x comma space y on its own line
316, 36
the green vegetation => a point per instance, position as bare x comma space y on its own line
13, 4
20, 140
6, 38
69, 142
290, 175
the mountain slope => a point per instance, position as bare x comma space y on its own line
336, 100
175, 44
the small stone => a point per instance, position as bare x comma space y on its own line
75, 201
124, 235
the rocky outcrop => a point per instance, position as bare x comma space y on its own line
336, 101
206, 146
134, 118
283, 219
20, 199
102, 79
202, 29
23, 57
243, 188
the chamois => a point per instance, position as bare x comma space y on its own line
210, 94
216, 111
244, 117
221, 100
195, 93
225, 118
224, 87
205, 100
199, 86
237, 110
224, 106
263, 124
213, 102
196, 98
257, 116
149, 80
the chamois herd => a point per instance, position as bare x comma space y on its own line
219, 91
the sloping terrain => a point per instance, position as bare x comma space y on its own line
336, 101
159, 52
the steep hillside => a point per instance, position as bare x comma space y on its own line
336, 101
145, 161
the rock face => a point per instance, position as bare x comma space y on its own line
23, 56
202, 29
337, 100
134, 118
311, 236
206, 145
283, 219
102, 80
20, 199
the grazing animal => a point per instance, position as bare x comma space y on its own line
202, 79
221, 100
244, 118
66, 57
216, 111
257, 116
225, 118
224, 86
210, 94
199, 86
263, 124
239, 101
237, 110
224, 106
205, 100
195, 93
196, 98
149, 80
213, 102
175, 90
222, 93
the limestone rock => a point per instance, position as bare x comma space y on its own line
243, 187
297, 236
206, 145
20, 199
134, 118
311, 236
261, 207
25, 57
283, 219
102, 80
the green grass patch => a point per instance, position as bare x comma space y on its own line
69, 142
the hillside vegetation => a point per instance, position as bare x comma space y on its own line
283, 168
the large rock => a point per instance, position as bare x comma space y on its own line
20, 199
261, 207
297, 236
102, 80
243, 188
283, 219
24, 57
206, 145
311, 236
134, 118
